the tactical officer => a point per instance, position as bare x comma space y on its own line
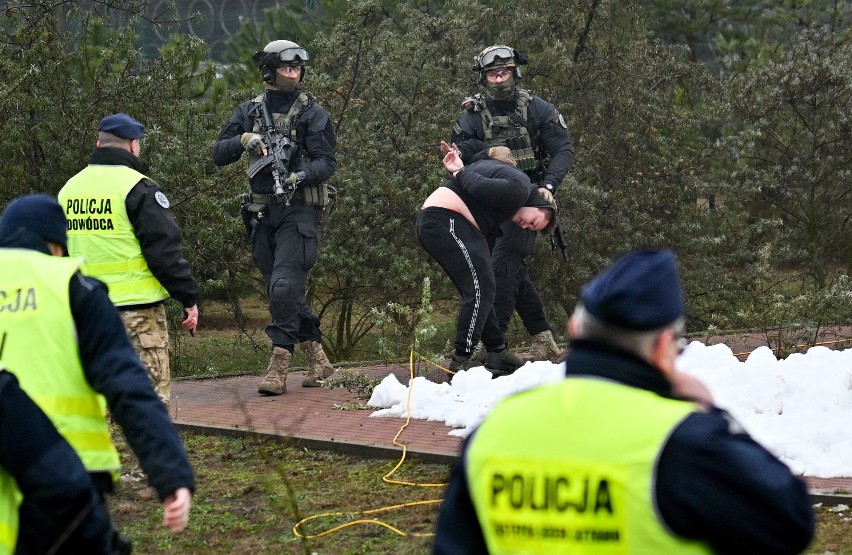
457, 225
66, 344
37, 463
290, 142
539, 140
120, 222
626, 455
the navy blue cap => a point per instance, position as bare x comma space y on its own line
38, 215
640, 291
122, 125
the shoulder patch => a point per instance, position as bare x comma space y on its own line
561, 120
161, 199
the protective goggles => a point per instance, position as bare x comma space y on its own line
503, 52
293, 56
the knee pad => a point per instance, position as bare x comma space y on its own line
280, 290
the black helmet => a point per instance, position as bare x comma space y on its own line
499, 56
280, 53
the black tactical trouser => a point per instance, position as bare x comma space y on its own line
462, 251
285, 243
515, 289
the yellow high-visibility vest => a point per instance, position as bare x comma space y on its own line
40, 348
100, 232
569, 468
10, 499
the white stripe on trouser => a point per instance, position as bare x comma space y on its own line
472, 327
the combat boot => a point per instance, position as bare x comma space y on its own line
319, 368
275, 382
544, 347
478, 355
503, 362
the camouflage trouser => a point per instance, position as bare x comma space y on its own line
149, 334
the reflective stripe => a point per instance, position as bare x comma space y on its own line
79, 405
121, 288
95, 268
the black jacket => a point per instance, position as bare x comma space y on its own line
155, 227
314, 135
493, 192
714, 483
50, 475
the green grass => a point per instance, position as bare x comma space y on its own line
251, 493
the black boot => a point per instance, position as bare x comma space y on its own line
502, 362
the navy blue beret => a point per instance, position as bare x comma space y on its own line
122, 125
639, 291
39, 215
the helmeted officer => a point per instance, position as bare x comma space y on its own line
538, 137
281, 212
625, 455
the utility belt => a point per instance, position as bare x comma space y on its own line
258, 198
316, 195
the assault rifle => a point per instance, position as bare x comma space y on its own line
278, 149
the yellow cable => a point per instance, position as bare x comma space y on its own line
385, 478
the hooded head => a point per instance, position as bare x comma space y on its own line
33, 219
537, 201
640, 291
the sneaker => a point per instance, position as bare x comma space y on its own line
458, 363
502, 363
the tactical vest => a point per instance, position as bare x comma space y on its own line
570, 468
286, 125
510, 131
41, 348
100, 231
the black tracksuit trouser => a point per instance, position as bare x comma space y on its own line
462, 251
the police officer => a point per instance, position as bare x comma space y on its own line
282, 209
121, 223
539, 140
66, 344
626, 455
37, 463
